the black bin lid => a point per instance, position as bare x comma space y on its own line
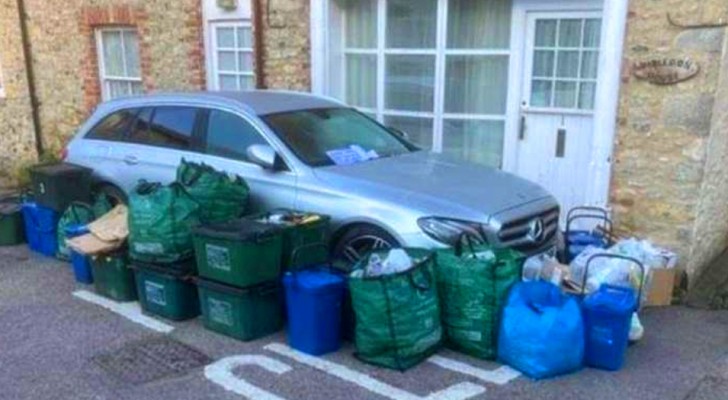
238, 230
60, 169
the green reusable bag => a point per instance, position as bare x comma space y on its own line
473, 282
221, 197
76, 214
397, 315
161, 219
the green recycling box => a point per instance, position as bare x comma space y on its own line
11, 222
112, 277
240, 253
244, 314
305, 237
166, 291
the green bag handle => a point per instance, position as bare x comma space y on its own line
197, 171
144, 187
464, 239
425, 273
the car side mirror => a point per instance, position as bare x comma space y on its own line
398, 132
262, 155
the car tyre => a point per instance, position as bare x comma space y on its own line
359, 240
116, 195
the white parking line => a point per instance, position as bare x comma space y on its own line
221, 372
460, 391
131, 311
499, 376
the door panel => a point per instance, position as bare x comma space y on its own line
554, 142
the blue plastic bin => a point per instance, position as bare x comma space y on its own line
607, 319
80, 262
40, 228
313, 302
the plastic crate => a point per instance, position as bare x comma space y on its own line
166, 292
113, 278
244, 314
40, 228
607, 320
241, 253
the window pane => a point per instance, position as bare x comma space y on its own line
478, 24
226, 37
570, 32
592, 33
543, 63
476, 141
246, 82
245, 37
541, 93
172, 127
587, 93
226, 61
418, 130
140, 128
568, 64
131, 45
245, 63
361, 23
136, 88
229, 136
546, 33
565, 95
113, 53
117, 89
476, 84
410, 83
361, 80
113, 127
590, 60
411, 24
228, 82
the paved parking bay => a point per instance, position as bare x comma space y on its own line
53, 333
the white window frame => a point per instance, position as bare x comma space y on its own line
214, 53
104, 79
440, 52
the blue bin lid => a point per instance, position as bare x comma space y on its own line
313, 280
618, 299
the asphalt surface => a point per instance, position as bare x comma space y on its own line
48, 339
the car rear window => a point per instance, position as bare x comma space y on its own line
170, 127
113, 127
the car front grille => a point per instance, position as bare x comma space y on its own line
516, 233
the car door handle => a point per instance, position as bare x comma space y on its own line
131, 160
522, 128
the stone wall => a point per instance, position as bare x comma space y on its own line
17, 140
664, 132
65, 64
287, 47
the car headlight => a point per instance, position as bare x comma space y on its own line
449, 231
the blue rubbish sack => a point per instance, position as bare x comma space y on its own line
542, 331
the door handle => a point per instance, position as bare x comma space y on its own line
522, 128
131, 160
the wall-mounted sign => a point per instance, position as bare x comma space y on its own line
228, 5
666, 71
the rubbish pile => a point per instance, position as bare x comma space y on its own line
193, 248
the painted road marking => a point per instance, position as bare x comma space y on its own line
460, 391
499, 376
221, 372
131, 311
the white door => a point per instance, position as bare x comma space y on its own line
555, 127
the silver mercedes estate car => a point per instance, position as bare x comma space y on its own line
305, 152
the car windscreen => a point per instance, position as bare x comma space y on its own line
335, 136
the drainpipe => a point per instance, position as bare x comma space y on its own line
22, 16
258, 37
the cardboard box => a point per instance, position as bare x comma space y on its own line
662, 283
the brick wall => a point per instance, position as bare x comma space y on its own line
287, 47
66, 64
17, 143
